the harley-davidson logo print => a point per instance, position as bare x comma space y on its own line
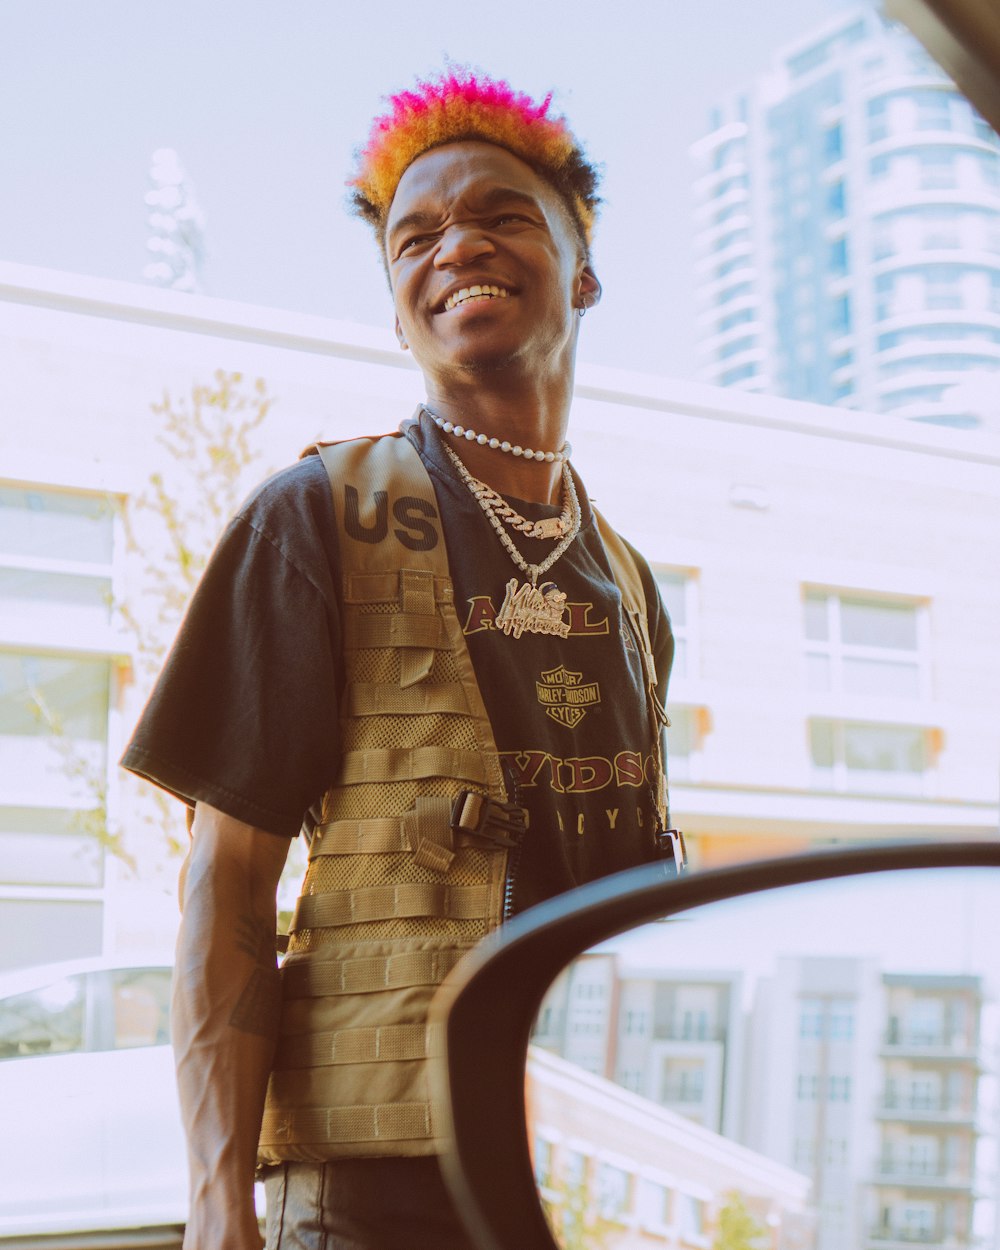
565, 696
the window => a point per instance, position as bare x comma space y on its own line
735, 319
690, 1215
878, 119
47, 1021
653, 1204
811, 1018
807, 1086
934, 110
836, 200
737, 291
735, 346
636, 1023
56, 552
542, 1161
833, 144
679, 593
140, 1000
868, 758
839, 1089
683, 1081
840, 315
943, 287
937, 168
857, 645
841, 1020
837, 259
614, 1191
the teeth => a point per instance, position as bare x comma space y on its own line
474, 292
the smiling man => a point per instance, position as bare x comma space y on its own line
429, 651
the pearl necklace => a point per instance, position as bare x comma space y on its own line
497, 444
528, 608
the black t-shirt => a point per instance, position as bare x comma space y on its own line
244, 716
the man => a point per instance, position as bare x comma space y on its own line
428, 649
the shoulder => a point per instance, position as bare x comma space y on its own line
292, 512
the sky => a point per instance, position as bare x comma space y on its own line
265, 102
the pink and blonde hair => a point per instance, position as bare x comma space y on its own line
461, 104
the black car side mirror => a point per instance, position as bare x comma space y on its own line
871, 976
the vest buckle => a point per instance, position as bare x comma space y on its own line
501, 823
671, 843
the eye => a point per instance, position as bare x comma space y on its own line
418, 240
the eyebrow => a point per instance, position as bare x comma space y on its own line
495, 196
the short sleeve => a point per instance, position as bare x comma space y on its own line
244, 714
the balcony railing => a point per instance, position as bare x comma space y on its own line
927, 1110
917, 1175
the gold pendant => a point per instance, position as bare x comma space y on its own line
526, 609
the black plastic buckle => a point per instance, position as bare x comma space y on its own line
477, 814
672, 841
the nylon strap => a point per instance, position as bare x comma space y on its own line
389, 902
316, 978
382, 1122
401, 629
384, 588
410, 764
429, 818
387, 1043
379, 699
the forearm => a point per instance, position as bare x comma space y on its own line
225, 1019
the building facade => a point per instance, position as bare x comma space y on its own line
848, 232
836, 677
865, 1082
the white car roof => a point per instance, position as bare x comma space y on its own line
21, 980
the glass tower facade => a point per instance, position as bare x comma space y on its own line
848, 233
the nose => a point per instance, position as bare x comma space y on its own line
461, 244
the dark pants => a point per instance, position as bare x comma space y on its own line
361, 1204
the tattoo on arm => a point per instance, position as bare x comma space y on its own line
257, 1007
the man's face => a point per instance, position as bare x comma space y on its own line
472, 215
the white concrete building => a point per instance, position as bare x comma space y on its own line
848, 229
831, 576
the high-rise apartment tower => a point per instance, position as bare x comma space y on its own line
848, 233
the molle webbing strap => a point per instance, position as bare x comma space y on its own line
387, 1043
373, 699
410, 764
390, 902
404, 629
425, 829
388, 1122
319, 978
384, 588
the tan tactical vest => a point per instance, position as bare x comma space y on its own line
407, 869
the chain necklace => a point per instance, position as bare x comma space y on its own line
547, 527
528, 607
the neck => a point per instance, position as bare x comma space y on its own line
529, 420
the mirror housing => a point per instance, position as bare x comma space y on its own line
483, 1016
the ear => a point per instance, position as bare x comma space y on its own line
400, 336
588, 288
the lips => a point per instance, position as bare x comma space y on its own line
476, 293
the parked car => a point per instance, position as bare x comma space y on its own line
863, 998
90, 1133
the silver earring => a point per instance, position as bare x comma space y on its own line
582, 311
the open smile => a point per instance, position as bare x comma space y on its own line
474, 295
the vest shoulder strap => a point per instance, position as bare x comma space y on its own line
384, 501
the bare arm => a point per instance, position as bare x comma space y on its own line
225, 1019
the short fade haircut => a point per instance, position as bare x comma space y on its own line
458, 104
